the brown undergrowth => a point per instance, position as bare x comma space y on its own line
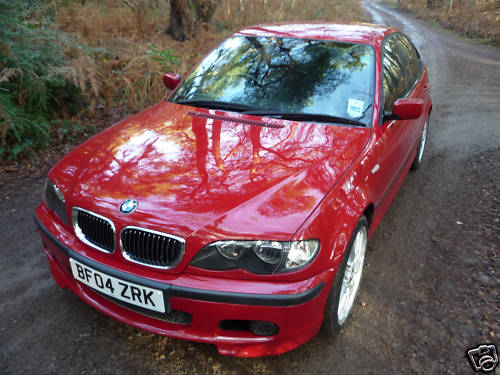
137, 51
120, 53
479, 19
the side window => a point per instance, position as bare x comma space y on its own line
410, 59
394, 84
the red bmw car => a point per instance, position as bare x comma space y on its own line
237, 211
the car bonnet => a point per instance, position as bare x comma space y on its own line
223, 173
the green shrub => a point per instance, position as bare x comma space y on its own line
165, 58
31, 89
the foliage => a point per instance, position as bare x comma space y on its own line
128, 75
163, 57
472, 18
31, 90
234, 14
69, 60
47, 74
69, 131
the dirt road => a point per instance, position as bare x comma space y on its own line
430, 290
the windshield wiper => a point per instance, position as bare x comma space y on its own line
249, 110
216, 104
297, 116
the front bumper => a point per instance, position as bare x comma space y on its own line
295, 307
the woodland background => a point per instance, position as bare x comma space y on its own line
69, 68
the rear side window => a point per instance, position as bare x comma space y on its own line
410, 60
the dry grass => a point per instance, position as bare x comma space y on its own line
127, 71
123, 71
234, 14
471, 18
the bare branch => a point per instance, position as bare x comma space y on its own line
128, 3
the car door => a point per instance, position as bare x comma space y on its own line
401, 70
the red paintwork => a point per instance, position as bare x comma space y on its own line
208, 180
408, 109
171, 80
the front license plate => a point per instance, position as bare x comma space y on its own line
135, 294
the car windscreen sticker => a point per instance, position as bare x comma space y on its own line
355, 107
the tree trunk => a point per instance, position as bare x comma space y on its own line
431, 4
187, 15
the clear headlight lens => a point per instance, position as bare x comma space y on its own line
269, 251
259, 257
300, 253
232, 249
54, 199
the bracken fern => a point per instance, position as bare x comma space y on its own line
30, 87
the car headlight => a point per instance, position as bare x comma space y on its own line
54, 199
259, 257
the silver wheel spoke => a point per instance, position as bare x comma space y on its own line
422, 142
352, 275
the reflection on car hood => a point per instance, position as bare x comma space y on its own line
194, 173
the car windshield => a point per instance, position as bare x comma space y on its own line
269, 75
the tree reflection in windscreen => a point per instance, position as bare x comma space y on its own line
287, 74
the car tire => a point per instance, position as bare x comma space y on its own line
347, 281
421, 147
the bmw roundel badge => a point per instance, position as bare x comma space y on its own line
128, 206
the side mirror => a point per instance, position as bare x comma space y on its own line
407, 109
171, 80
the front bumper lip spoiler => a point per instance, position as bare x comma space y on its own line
278, 300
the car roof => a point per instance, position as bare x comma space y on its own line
365, 33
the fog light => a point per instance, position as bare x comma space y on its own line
263, 328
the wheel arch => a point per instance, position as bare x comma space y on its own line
335, 220
368, 213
